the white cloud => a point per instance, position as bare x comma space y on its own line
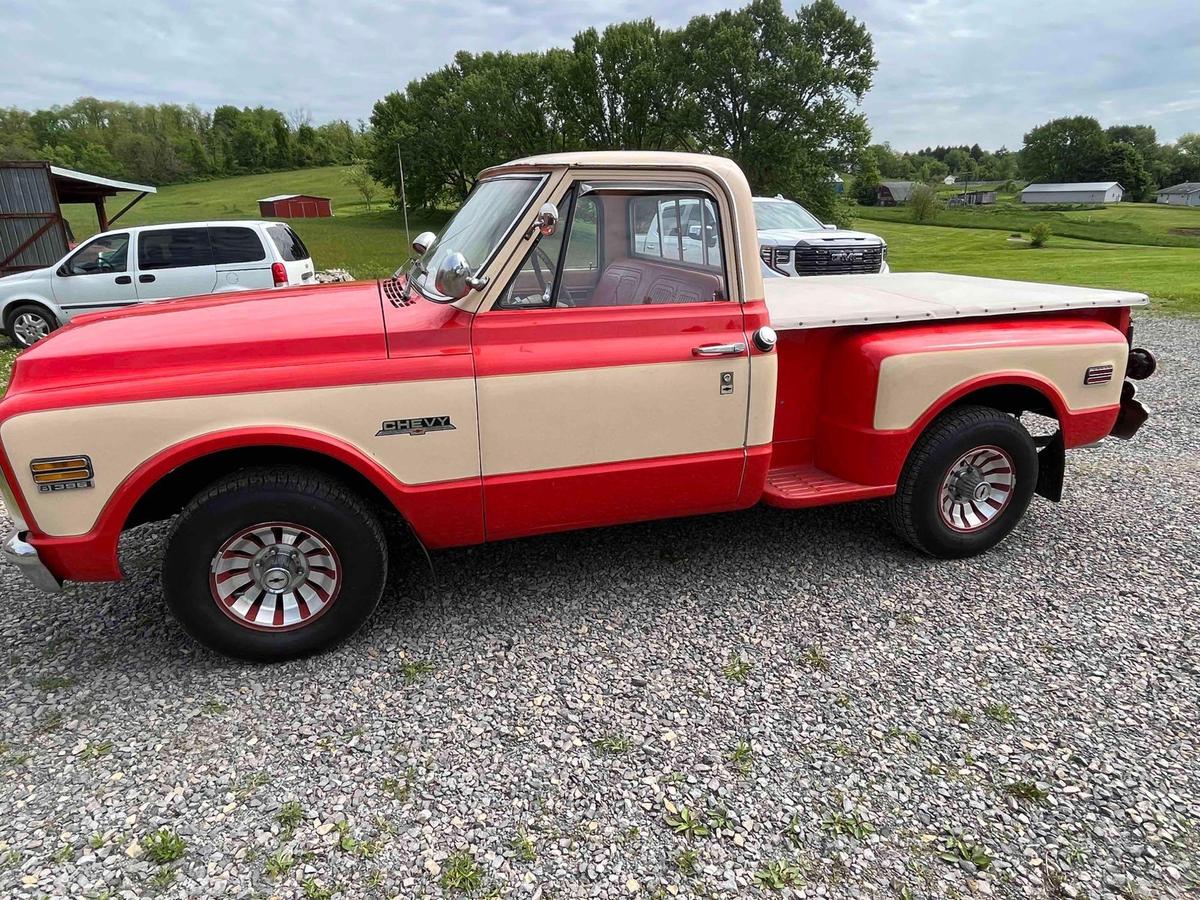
950, 72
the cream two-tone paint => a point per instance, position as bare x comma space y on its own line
121, 437
910, 383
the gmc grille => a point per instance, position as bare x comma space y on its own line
836, 260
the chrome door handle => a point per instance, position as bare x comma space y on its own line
720, 350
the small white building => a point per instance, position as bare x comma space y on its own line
1080, 192
949, 179
1186, 194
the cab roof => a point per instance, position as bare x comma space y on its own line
725, 169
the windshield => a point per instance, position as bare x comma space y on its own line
784, 214
477, 229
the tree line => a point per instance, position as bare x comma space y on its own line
778, 93
1068, 149
167, 143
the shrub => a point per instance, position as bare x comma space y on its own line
923, 204
1038, 234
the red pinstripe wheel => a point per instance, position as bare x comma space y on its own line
275, 576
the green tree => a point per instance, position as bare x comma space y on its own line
1065, 150
778, 94
1124, 163
923, 204
866, 179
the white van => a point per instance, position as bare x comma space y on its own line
153, 262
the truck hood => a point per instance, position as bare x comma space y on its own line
829, 301
775, 237
311, 325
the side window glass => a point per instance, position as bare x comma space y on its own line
107, 253
626, 248
235, 245
174, 248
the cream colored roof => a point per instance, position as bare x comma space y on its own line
618, 159
826, 301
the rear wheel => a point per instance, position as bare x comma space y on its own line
275, 563
966, 484
29, 323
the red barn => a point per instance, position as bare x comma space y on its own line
295, 206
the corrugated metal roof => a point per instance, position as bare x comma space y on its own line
291, 197
1080, 186
60, 172
1187, 187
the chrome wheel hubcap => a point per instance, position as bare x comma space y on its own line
30, 328
275, 576
976, 489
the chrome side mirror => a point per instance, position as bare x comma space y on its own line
547, 219
423, 241
455, 279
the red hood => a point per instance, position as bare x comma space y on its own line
217, 333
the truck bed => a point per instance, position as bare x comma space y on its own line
826, 301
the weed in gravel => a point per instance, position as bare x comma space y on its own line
164, 846
415, 671
1027, 790
718, 819
1000, 712
400, 788
612, 744
289, 816
687, 862
777, 875
49, 683
687, 823
852, 824
97, 840
213, 707
523, 846
742, 757
1074, 855
314, 890
842, 750
736, 668
96, 749
461, 873
793, 831
962, 716
250, 784
64, 854
842, 700
279, 864
10, 860
51, 723
955, 848
163, 879
11, 757
816, 658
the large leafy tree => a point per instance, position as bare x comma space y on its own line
1065, 150
777, 93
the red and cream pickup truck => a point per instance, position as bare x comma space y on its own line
542, 365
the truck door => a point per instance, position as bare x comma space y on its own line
612, 377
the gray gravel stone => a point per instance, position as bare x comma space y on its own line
896, 711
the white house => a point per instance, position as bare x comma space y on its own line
1186, 194
1081, 192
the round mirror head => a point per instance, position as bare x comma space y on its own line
547, 219
423, 241
453, 277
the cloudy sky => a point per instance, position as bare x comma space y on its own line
951, 71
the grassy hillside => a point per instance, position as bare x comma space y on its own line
1123, 223
369, 244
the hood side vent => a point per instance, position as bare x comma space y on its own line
395, 293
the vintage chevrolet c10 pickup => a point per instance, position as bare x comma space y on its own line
541, 365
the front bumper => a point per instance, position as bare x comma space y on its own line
25, 557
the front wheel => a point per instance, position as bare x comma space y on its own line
966, 484
270, 564
29, 323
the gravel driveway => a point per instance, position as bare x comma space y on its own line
707, 707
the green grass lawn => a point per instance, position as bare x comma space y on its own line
1169, 275
369, 244
1122, 223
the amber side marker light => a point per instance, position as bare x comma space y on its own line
62, 473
